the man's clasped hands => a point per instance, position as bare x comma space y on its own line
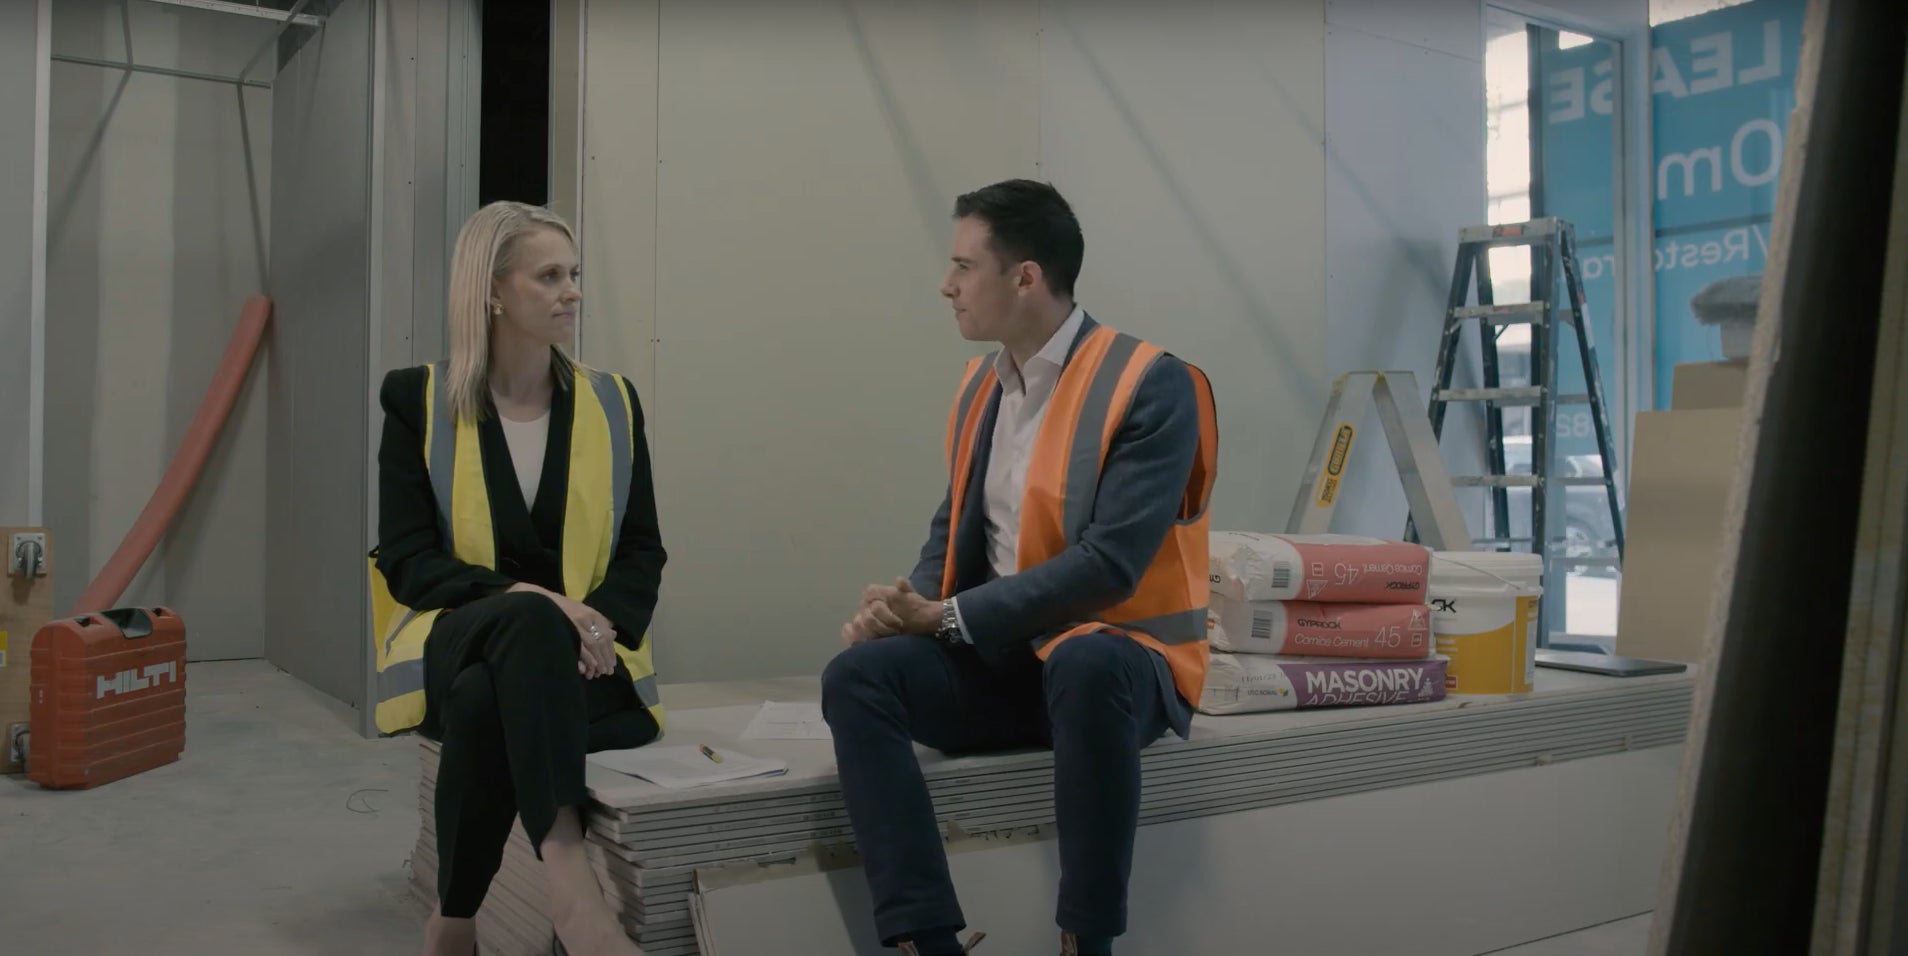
887, 610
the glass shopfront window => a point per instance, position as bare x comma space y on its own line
1722, 88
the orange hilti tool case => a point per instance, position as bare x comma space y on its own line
107, 698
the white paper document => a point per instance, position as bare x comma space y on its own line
680, 768
786, 721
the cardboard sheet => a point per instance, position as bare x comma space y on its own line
1696, 385
1681, 469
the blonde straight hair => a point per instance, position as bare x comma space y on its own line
486, 246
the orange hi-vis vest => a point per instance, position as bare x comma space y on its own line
1167, 611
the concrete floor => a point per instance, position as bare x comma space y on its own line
279, 831
1630, 937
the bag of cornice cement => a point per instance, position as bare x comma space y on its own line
1392, 631
1332, 568
1252, 683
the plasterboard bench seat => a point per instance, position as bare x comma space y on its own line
655, 848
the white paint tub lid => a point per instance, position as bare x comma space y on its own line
1503, 572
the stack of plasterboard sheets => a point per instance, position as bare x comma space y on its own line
650, 843
653, 904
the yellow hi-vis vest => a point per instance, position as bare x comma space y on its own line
602, 453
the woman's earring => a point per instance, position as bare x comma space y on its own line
497, 310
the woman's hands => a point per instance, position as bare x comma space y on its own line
596, 655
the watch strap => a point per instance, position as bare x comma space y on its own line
950, 630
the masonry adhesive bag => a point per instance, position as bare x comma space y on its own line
1253, 683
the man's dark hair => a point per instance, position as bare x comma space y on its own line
1029, 221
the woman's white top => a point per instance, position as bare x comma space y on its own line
527, 441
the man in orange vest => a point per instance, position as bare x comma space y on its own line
1060, 598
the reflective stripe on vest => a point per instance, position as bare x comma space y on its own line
1167, 611
963, 431
602, 439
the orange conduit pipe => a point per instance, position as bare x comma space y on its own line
186, 464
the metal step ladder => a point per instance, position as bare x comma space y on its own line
1553, 244
1414, 449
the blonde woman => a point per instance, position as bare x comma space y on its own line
517, 535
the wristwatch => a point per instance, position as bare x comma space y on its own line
950, 631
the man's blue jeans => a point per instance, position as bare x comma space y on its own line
1096, 701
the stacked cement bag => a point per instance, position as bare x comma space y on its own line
1327, 620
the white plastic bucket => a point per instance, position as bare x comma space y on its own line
1484, 618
